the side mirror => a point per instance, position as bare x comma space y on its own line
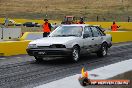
86, 35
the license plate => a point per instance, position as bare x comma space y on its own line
42, 53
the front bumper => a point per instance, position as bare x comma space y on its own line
109, 45
51, 52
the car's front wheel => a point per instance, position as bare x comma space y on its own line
39, 59
75, 54
103, 50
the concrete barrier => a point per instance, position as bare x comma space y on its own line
10, 33
107, 25
121, 36
10, 48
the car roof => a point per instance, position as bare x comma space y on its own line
76, 25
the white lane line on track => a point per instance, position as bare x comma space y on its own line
102, 73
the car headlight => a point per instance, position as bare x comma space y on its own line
32, 46
57, 46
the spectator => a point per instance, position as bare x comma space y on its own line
81, 21
54, 26
114, 27
46, 28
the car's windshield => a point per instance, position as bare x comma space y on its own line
64, 31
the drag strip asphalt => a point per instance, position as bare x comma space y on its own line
23, 72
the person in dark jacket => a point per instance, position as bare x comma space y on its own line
46, 28
81, 21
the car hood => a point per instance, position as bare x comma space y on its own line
47, 41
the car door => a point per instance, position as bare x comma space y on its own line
97, 37
88, 39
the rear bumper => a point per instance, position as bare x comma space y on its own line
61, 52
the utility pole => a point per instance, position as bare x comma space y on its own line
46, 11
41, 12
85, 12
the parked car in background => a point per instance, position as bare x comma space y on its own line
71, 40
12, 23
31, 24
16, 24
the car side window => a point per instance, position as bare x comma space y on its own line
101, 31
96, 32
87, 30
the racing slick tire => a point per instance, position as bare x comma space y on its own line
75, 54
103, 50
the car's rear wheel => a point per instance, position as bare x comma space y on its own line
75, 54
103, 50
39, 59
